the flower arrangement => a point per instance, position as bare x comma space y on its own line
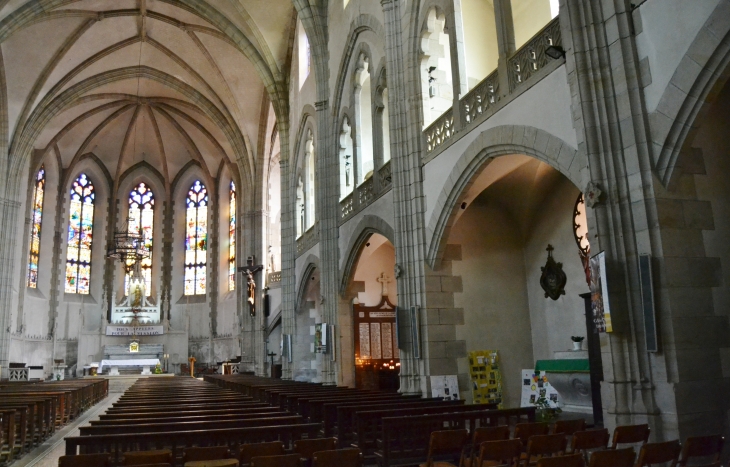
158, 369
577, 338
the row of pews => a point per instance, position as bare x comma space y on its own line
30, 412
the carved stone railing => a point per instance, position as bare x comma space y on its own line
385, 177
274, 277
480, 99
307, 240
531, 57
440, 130
18, 374
347, 206
365, 192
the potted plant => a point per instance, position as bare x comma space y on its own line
577, 342
544, 412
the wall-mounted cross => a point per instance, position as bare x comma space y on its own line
249, 270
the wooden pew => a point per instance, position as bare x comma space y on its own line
7, 445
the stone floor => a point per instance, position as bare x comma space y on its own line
47, 454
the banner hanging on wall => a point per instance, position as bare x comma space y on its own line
132, 331
599, 294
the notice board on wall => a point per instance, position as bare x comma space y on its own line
486, 377
536, 385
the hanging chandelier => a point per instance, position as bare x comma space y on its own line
128, 245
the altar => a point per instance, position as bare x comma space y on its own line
145, 363
146, 356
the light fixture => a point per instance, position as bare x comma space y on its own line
555, 52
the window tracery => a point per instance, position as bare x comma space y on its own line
309, 178
364, 125
196, 239
346, 169
300, 207
80, 236
36, 223
141, 219
232, 237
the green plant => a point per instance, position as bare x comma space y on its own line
577, 338
544, 412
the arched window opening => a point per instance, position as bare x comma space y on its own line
141, 219
529, 16
304, 55
481, 52
80, 236
386, 127
346, 169
35, 230
232, 237
196, 239
300, 207
436, 77
309, 180
364, 125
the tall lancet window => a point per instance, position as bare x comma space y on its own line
141, 216
196, 239
232, 238
346, 169
300, 208
309, 180
35, 231
80, 236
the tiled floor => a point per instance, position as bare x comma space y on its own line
47, 454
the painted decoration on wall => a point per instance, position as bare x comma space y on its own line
141, 218
445, 387
535, 386
80, 236
196, 239
486, 377
35, 231
599, 294
232, 237
553, 277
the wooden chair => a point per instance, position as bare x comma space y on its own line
658, 453
481, 435
287, 460
523, 431
630, 434
702, 446
568, 427
249, 451
585, 441
349, 457
85, 460
542, 446
445, 443
306, 447
162, 456
572, 460
499, 452
613, 458
206, 454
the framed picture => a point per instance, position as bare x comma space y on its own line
599, 294
320, 338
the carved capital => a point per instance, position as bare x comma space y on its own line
592, 194
321, 105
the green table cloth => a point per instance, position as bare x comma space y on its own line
578, 365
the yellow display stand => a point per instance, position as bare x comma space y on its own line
486, 377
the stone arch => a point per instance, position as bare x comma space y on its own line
686, 99
312, 263
367, 226
492, 143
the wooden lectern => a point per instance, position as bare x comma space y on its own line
192, 366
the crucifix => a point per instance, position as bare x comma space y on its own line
271, 355
250, 270
384, 280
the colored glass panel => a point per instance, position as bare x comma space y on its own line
35, 232
80, 236
232, 238
196, 239
142, 216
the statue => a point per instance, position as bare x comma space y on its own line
250, 270
192, 366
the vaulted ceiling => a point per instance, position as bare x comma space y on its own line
160, 81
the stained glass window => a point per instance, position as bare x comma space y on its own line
196, 239
35, 232
232, 238
80, 236
141, 216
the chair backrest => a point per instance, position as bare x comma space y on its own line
212, 453
546, 445
446, 442
490, 433
702, 446
573, 460
504, 451
249, 451
306, 447
590, 439
657, 453
350, 457
288, 460
162, 456
630, 434
568, 427
613, 458
523, 431
85, 460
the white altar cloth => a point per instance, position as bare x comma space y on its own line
131, 362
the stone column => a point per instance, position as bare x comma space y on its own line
288, 241
505, 41
9, 215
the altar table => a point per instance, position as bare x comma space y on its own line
145, 363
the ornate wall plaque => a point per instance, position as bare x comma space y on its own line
553, 278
